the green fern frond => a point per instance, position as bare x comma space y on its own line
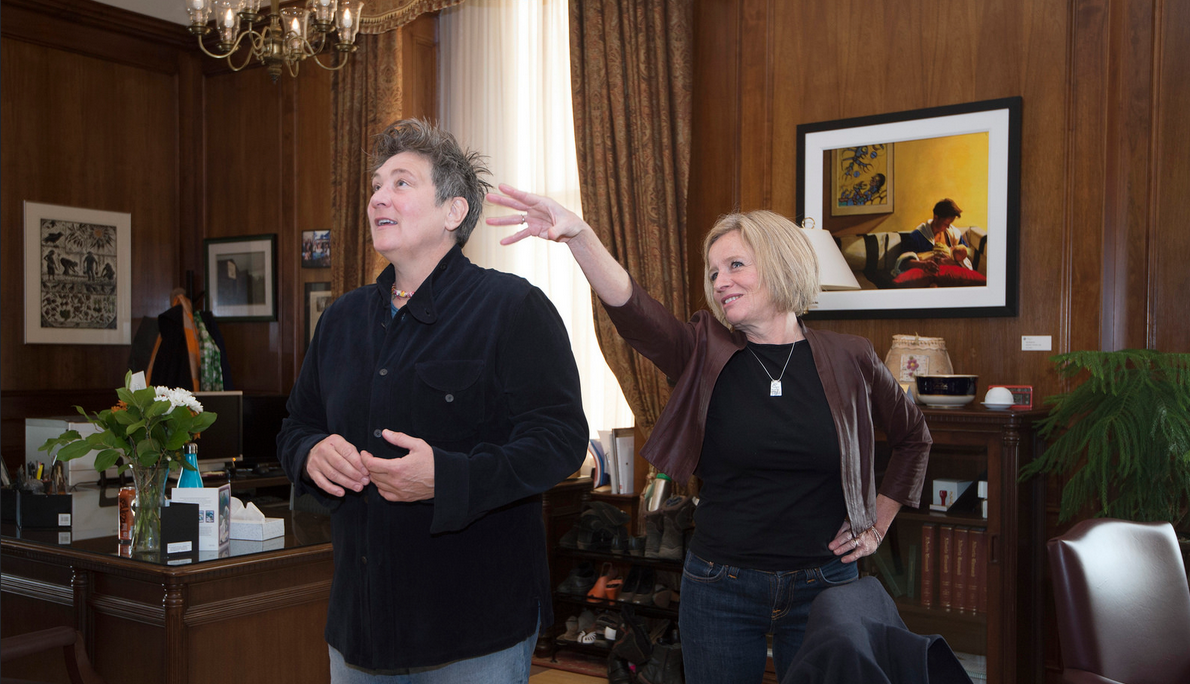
1122, 435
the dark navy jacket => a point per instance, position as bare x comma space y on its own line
478, 364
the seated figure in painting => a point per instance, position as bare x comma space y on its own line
937, 254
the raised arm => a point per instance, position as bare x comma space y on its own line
548, 220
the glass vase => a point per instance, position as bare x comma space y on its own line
150, 496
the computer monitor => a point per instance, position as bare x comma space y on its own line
263, 415
223, 441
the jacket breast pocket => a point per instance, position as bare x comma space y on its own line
448, 399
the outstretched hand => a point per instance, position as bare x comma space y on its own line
542, 217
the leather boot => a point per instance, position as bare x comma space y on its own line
617, 670
677, 515
664, 667
654, 530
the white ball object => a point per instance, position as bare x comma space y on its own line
998, 395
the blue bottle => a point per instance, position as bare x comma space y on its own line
190, 478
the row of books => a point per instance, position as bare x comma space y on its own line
954, 562
614, 456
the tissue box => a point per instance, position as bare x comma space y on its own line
947, 492
240, 547
258, 530
214, 513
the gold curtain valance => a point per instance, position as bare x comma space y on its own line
389, 15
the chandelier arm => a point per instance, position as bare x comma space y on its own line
234, 46
342, 63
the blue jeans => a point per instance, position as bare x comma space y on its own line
726, 613
509, 666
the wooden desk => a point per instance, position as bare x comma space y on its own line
252, 618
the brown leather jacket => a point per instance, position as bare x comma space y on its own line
862, 394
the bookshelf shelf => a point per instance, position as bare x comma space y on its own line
943, 518
975, 444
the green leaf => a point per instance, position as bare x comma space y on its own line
126, 396
203, 421
106, 459
157, 408
74, 450
177, 440
124, 417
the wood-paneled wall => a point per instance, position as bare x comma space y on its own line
111, 110
1104, 147
1104, 162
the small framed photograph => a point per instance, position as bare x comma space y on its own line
316, 249
1022, 396
78, 275
318, 297
241, 277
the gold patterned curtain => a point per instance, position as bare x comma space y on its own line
631, 72
367, 95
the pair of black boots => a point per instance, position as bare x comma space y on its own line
601, 528
656, 655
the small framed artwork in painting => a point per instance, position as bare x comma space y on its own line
316, 249
318, 297
862, 180
241, 277
78, 275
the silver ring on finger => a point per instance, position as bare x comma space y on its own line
524, 219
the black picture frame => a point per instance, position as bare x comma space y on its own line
317, 297
873, 254
241, 277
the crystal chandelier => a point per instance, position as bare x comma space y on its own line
286, 37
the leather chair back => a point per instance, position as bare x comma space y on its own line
1123, 602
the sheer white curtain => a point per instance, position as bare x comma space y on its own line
504, 89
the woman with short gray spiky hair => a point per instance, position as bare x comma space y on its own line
432, 410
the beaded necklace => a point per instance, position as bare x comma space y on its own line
401, 293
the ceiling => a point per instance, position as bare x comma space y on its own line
169, 10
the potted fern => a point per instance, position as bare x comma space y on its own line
1122, 436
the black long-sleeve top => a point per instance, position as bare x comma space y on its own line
478, 364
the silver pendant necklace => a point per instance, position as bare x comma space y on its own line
774, 383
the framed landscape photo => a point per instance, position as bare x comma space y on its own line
316, 249
78, 275
318, 297
241, 277
944, 241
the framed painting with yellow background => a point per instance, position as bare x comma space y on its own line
862, 180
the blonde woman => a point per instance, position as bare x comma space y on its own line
777, 419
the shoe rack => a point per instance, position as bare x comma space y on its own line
566, 511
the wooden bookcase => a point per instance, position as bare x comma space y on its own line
974, 444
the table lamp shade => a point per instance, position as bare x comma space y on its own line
834, 273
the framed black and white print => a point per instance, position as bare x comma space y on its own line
78, 275
318, 297
241, 277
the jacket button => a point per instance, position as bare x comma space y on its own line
376, 432
384, 371
450, 398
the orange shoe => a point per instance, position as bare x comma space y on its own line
599, 591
